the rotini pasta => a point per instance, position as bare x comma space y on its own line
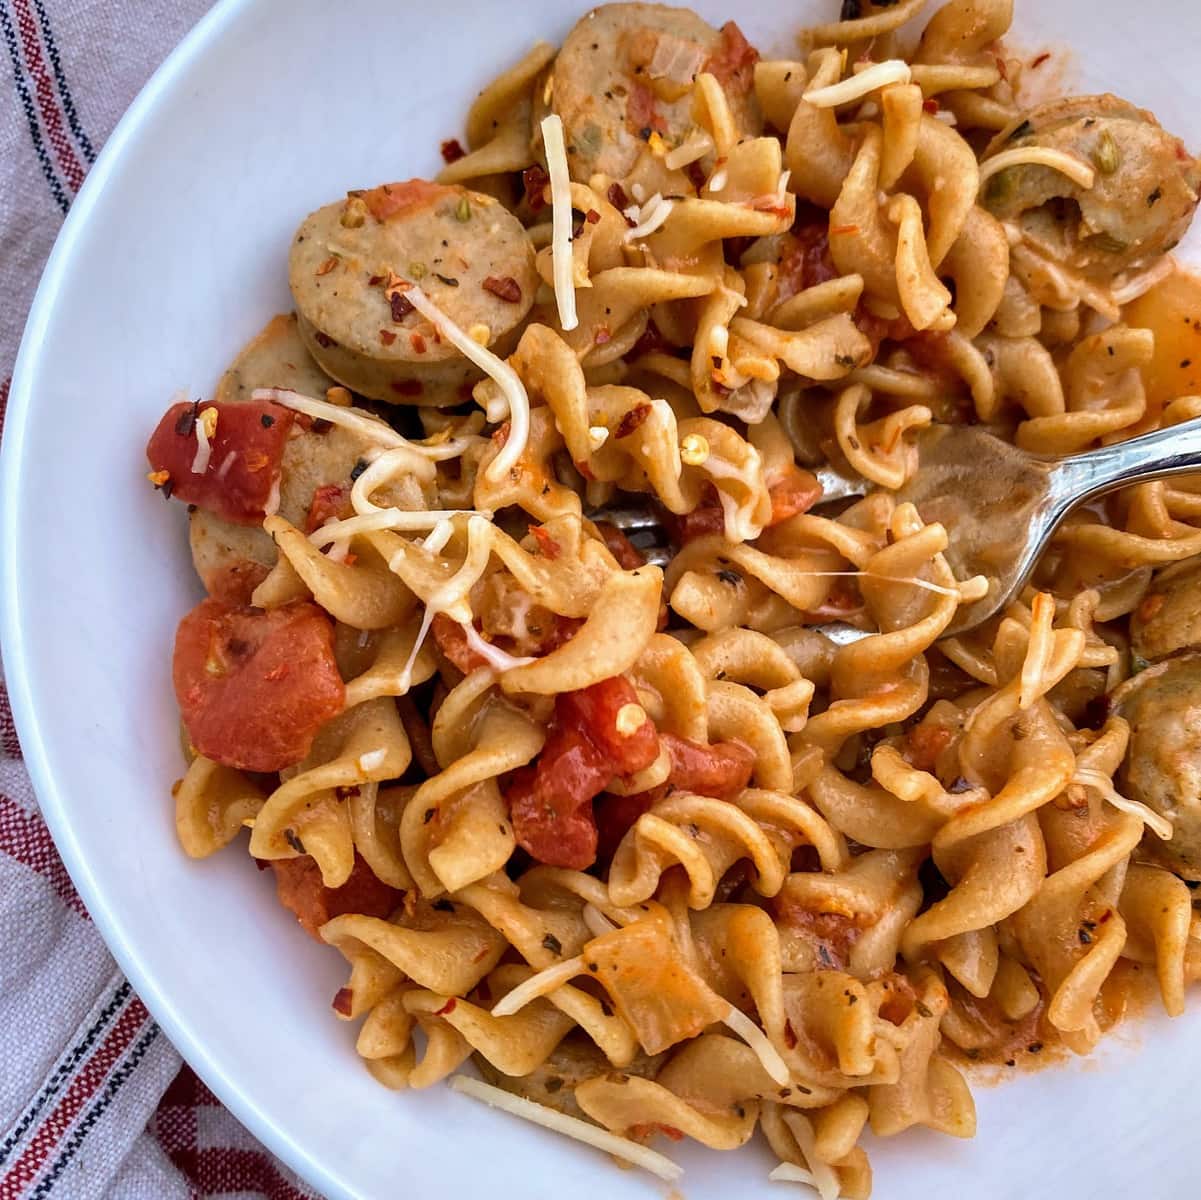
620, 760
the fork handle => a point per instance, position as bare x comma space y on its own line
1172, 451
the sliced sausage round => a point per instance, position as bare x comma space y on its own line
625, 72
466, 251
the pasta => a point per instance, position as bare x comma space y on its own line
622, 823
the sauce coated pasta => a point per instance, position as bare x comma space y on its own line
618, 822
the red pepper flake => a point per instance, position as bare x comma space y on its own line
585, 470
452, 150
504, 287
417, 342
401, 307
1038, 62
501, 435
448, 1007
840, 230
601, 335
931, 106
406, 387
387, 336
375, 280
343, 1002
535, 180
323, 339
1002, 67
327, 266
617, 197
546, 544
592, 217
632, 420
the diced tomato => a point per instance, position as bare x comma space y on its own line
396, 199
734, 63
628, 557
331, 502
551, 801
706, 518
244, 462
720, 769
596, 711
793, 490
254, 687
299, 887
616, 816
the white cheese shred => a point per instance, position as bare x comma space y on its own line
503, 375
650, 216
399, 519
372, 759
1076, 169
560, 199
538, 986
758, 1041
878, 75
204, 449
496, 658
791, 1173
572, 1127
1157, 822
689, 151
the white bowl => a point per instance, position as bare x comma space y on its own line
173, 254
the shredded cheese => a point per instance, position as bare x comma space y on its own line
758, 1041
438, 538
649, 217
509, 382
689, 151
870, 79
791, 1173
1076, 169
336, 414
372, 759
1089, 778
560, 199
582, 1131
496, 658
537, 986
205, 425
399, 519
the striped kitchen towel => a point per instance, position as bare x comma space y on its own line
94, 1101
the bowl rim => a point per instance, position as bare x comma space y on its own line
54, 809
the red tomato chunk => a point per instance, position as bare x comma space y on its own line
551, 801
720, 770
254, 687
244, 463
299, 887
